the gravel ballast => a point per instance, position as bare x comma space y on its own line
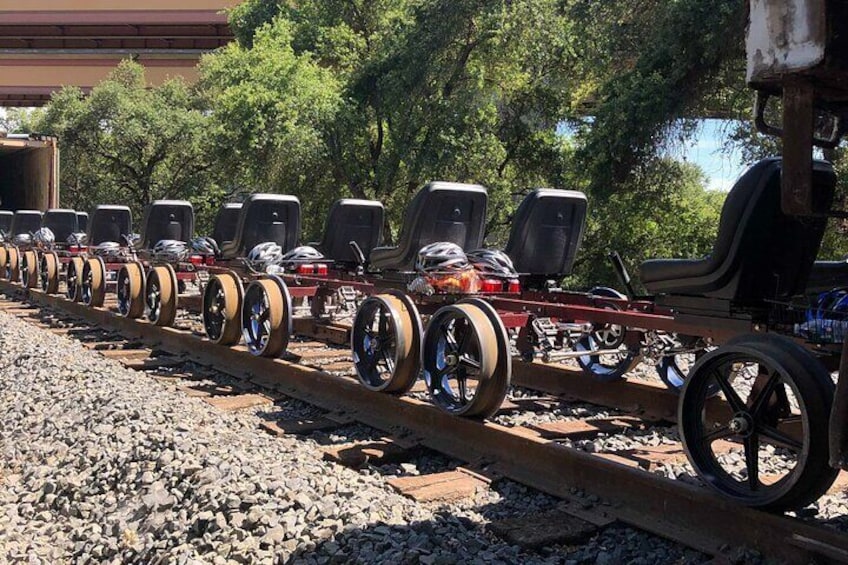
103, 464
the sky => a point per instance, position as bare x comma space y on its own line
704, 150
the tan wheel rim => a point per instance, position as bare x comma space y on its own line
135, 275
98, 283
165, 277
276, 316
76, 265
31, 268
51, 265
14, 259
231, 289
3, 255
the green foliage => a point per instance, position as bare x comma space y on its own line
678, 50
126, 143
269, 107
20, 120
664, 212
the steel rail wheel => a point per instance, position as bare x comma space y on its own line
222, 300
161, 295
460, 359
386, 343
48, 272
607, 367
266, 316
4, 254
73, 279
762, 441
130, 290
94, 282
29, 268
13, 258
674, 368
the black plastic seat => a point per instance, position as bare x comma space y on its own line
25, 221
263, 218
6, 220
827, 275
360, 221
760, 252
441, 211
109, 223
167, 219
226, 223
82, 221
546, 232
61, 222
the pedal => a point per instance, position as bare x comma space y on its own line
545, 332
347, 298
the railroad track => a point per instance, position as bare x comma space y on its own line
597, 488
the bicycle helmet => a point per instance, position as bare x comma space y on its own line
264, 256
44, 236
77, 238
108, 250
301, 254
170, 250
442, 256
492, 262
205, 245
22, 239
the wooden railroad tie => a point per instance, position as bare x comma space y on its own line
585, 429
448, 486
305, 426
545, 529
238, 402
377, 452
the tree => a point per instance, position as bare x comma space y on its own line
127, 143
269, 107
463, 90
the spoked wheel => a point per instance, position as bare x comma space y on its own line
161, 295
618, 356
386, 343
29, 268
674, 368
222, 301
130, 290
266, 316
466, 359
4, 254
94, 282
73, 279
763, 439
12, 264
48, 272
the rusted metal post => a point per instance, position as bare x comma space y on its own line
797, 175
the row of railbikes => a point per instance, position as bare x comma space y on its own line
750, 336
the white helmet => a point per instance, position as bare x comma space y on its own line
492, 262
205, 245
170, 250
22, 239
107, 250
441, 256
77, 238
44, 236
265, 255
301, 254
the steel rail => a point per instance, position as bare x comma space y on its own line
682, 512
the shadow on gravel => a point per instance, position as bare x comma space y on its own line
451, 538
